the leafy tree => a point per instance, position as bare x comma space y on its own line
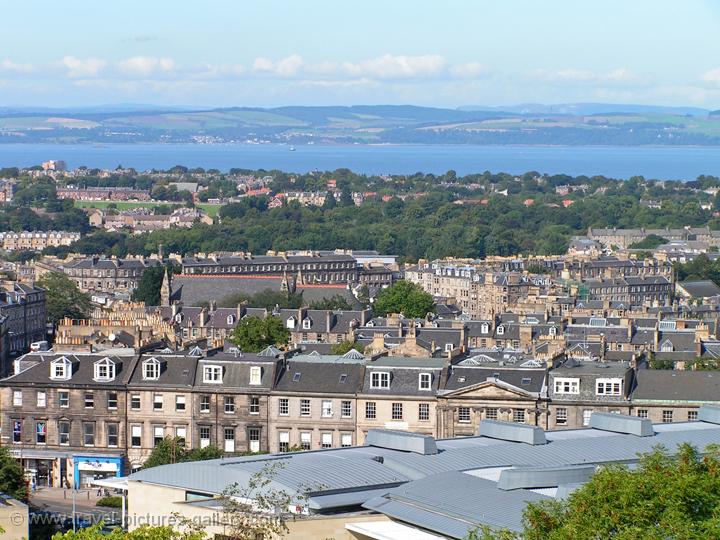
254, 334
651, 241
666, 496
63, 298
173, 450
148, 289
345, 346
406, 298
12, 476
186, 530
335, 301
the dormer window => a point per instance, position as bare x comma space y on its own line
290, 323
484, 328
212, 374
552, 331
500, 330
61, 369
231, 319
179, 318
380, 379
425, 381
151, 369
306, 324
104, 370
255, 375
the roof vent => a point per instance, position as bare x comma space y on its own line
622, 423
709, 414
510, 431
401, 440
544, 477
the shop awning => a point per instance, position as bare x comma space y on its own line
113, 482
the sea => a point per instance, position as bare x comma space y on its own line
658, 162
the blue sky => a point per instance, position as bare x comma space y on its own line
343, 52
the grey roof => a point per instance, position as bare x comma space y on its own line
700, 289
404, 376
676, 386
324, 378
236, 372
83, 370
175, 371
529, 380
195, 290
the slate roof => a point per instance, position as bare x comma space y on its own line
700, 289
676, 385
203, 288
404, 378
526, 379
320, 378
236, 372
176, 371
83, 370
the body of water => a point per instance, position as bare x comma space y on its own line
662, 162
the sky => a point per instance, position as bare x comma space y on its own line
445, 53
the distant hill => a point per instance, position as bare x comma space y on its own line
527, 124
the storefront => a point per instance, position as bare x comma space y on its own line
42, 468
88, 468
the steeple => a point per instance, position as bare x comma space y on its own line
165, 289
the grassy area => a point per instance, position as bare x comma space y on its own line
211, 209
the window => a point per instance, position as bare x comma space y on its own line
41, 398
500, 330
642, 413
423, 412
40, 432
112, 401
692, 416
346, 409
561, 416
380, 379
567, 386
667, 416
89, 433
112, 435
204, 436
296, 377
135, 402
370, 410
17, 431
157, 402
229, 439
204, 404
326, 440
306, 324
425, 381
586, 417
136, 436
397, 411
179, 403
464, 415
283, 406
518, 416
104, 370
181, 434
17, 398
305, 440
255, 375
89, 400
212, 374
345, 440
60, 369
254, 405
608, 387
283, 441
327, 410
229, 404
254, 439
64, 433
158, 434
64, 399
151, 370
304, 407
491, 413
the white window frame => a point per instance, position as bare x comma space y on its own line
65, 369
180, 400
566, 385
212, 374
464, 415
17, 398
609, 386
41, 398
380, 379
151, 369
425, 381
327, 408
106, 364
255, 375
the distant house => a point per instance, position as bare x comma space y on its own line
702, 290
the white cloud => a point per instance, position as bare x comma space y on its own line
145, 65
285, 67
712, 75
79, 67
585, 76
469, 70
9, 65
398, 67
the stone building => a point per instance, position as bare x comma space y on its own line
23, 307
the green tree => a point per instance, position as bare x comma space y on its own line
406, 298
186, 529
63, 298
174, 450
254, 334
12, 476
651, 241
335, 301
148, 289
667, 496
345, 346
